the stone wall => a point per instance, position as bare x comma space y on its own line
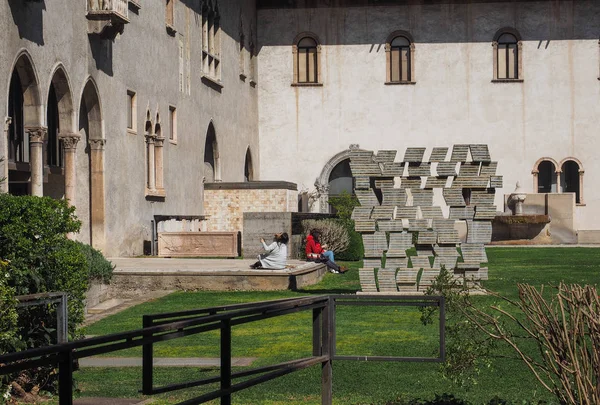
225, 203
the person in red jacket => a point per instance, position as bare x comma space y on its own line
314, 252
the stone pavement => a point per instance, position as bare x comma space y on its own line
162, 362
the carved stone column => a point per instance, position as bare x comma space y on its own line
69, 142
151, 170
159, 165
37, 135
4, 155
323, 191
97, 192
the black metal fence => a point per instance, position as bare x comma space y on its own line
163, 327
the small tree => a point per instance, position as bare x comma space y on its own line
344, 205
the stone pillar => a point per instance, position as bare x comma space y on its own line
151, 169
558, 183
535, 180
97, 192
159, 165
69, 142
4, 157
581, 172
37, 135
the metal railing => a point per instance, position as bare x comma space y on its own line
62, 315
163, 327
119, 7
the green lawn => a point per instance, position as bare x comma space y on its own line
365, 331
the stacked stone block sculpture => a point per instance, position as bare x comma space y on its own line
407, 238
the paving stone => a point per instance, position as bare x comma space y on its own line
483, 197
471, 182
385, 156
362, 182
367, 279
406, 212
395, 169
479, 231
420, 262
359, 155
414, 155
461, 213
361, 213
473, 253
372, 262
421, 169
485, 212
386, 279
448, 262
489, 169
446, 169
422, 197
384, 183
394, 196
399, 243
496, 181
367, 198
383, 212
415, 225
435, 182
406, 276
375, 242
432, 212
394, 225
424, 250
438, 154
364, 226
459, 153
453, 197
427, 238
480, 153
396, 262
365, 169
410, 182
468, 169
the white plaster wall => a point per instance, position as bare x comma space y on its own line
555, 112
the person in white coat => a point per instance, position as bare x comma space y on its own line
275, 256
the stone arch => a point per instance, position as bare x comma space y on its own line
24, 132
212, 161
62, 87
322, 182
248, 166
548, 178
571, 178
90, 123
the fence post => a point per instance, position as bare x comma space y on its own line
62, 320
317, 321
326, 366
65, 379
147, 360
442, 304
225, 360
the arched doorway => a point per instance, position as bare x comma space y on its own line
90, 123
570, 180
25, 135
248, 169
340, 177
212, 169
340, 181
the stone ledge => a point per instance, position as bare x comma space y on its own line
252, 185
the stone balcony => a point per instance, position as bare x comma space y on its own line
107, 18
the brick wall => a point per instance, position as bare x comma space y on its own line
225, 203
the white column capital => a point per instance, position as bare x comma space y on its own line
36, 134
69, 140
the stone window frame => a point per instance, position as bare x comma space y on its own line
322, 182
172, 125
133, 105
211, 45
535, 172
297, 39
170, 17
517, 35
388, 56
581, 172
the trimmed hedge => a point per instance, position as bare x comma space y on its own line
98, 267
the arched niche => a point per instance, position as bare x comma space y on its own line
212, 167
248, 167
90, 124
545, 177
571, 179
322, 184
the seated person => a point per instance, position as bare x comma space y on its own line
316, 253
276, 253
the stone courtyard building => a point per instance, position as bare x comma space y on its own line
127, 108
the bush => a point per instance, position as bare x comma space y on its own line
98, 267
8, 312
41, 259
344, 205
333, 233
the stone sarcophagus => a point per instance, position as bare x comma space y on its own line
406, 235
198, 244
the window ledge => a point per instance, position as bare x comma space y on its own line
396, 83
307, 84
580, 204
156, 195
507, 81
170, 29
211, 81
131, 131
